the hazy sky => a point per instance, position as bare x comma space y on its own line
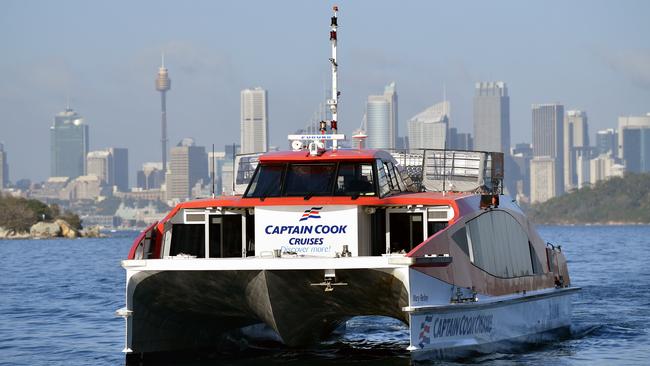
588, 55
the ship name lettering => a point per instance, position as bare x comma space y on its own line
295, 229
460, 326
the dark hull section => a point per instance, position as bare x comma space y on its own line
180, 310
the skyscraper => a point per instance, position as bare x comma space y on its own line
576, 144
111, 166
636, 149
254, 121
606, 142
188, 165
99, 163
428, 129
4, 167
120, 168
381, 119
68, 145
150, 176
548, 138
492, 117
163, 84
629, 122
459, 140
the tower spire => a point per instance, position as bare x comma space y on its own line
163, 84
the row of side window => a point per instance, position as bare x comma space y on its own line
496, 243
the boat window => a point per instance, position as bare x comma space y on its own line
188, 239
382, 179
407, 231
395, 180
355, 179
434, 226
500, 245
309, 179
266, 182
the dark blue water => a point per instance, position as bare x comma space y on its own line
57, 299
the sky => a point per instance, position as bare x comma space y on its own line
104, 56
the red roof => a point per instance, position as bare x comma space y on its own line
328, 155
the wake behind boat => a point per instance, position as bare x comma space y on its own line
318, 235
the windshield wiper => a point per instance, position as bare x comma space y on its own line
355, 195
308, 196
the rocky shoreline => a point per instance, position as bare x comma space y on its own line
56, 229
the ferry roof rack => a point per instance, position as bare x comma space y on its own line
443, 170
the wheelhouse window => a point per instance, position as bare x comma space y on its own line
266, 182
355, 179
309, 179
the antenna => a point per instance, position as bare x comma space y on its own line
214, 170
334, 101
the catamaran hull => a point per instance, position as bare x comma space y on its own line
460, 330
184, 310
171, 307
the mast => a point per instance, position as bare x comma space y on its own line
334, 101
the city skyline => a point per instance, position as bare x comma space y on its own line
110, 84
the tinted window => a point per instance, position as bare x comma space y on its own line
309, 179
267, 181
355, 179
500, 245
382, 179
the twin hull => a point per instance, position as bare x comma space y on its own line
183, 304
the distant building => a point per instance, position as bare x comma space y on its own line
151, 176
85, 187
604, 167
606, 142
458, 140
188, 165
4, 168
254, 121
522, 154
216, 160
381, 119
543, 181
428, 129
492, 117
576, 143
111, 166
636, 149
630, 122
548, 138
99, 164
120, 168
68, 145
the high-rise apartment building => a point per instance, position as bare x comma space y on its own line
548, 138
428, 129
576, 144
543, 180
254, 121
68, 145
4, 167
188, 165
492, 117
381, 119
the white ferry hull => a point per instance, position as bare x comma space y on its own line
176, 305
459, 330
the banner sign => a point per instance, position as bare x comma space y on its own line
306, 230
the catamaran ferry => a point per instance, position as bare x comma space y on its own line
320, 234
